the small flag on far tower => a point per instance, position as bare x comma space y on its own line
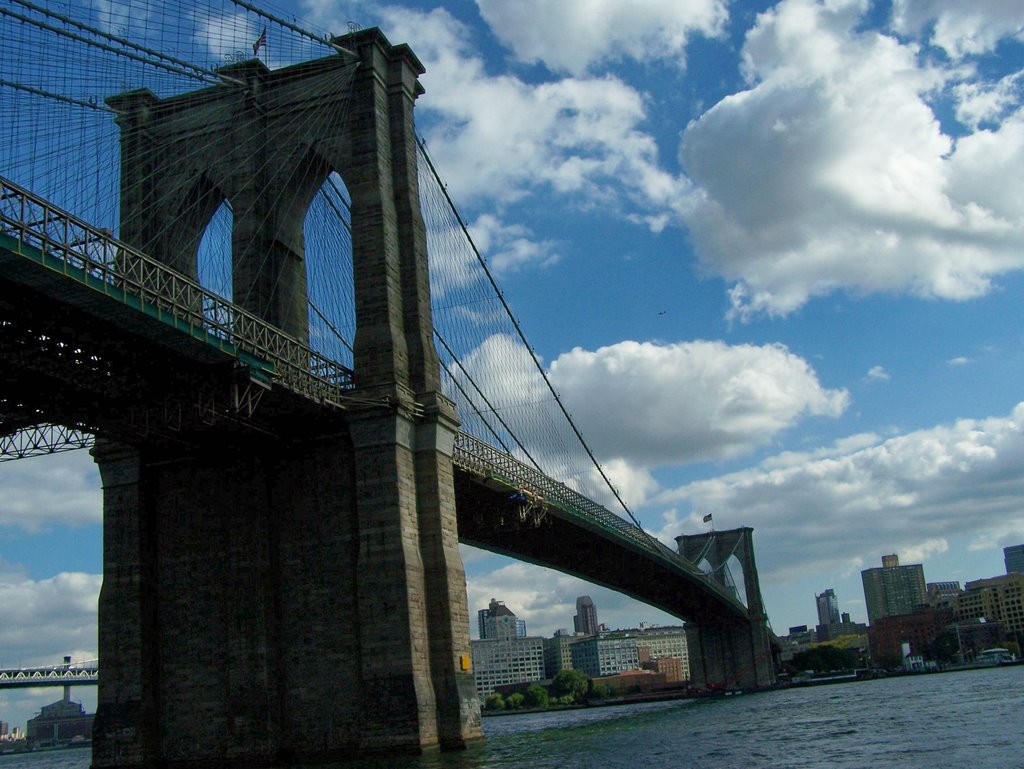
707, 518
260, 42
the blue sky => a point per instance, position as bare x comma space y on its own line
770, 253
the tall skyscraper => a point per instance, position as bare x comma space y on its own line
585, 620
1013, 556
828, 607
893, 589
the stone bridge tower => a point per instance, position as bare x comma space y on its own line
301, 600
729, 655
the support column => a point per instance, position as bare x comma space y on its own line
458, 707
126, 727
408, 532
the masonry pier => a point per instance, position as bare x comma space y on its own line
729, 654
300, 597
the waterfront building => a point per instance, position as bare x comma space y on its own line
997, 599
59, 723
668, 642
828, 607
887, 634
798, 639
605, 655
670, 667
1013, 557
893, 589
839, 629
585, 621
502, 661
498, 621
558, 652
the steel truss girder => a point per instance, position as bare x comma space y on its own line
43, 439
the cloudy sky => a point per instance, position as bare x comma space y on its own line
770, 253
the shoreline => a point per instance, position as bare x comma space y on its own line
670, 696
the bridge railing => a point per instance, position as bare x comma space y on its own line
477, 456
95, 258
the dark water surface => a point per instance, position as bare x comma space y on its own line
972, 719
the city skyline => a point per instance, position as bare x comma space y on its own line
766, 252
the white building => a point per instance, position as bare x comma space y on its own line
501, 661
605, 655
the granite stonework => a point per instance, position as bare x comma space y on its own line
304, 601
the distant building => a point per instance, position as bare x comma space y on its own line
558, 652
887, 634
839, 629
585, 620
61, 722
942, 593
892, 589
498, 621
502, 661
998, 599
1013, 556
670, 667
797, 640
604, 656
504, 654
667, 642
828, 607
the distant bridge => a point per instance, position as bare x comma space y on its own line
84, 673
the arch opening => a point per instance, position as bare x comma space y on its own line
735, 579
327, 234
213, 252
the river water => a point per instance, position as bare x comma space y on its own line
971, 719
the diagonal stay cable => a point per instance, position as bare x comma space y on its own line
522, 336
490, 406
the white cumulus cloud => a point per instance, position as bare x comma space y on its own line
576, 36
831, 172
667, 404
911, 493
499, 137
960, 28
41, 492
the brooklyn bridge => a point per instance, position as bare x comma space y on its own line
247, 290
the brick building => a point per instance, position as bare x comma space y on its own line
919, 628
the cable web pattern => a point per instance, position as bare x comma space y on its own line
60, 62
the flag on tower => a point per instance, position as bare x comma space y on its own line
707, 518
260, 42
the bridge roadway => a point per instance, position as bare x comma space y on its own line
84, 673
123, 345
